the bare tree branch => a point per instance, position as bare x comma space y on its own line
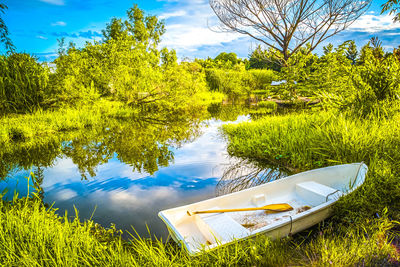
287, 25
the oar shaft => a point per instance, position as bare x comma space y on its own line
269, 208
234, 210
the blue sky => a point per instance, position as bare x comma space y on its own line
35, 26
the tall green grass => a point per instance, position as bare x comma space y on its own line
306, 141
238, 82
33, 235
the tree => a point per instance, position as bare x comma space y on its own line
264, 59
4, 38
287, 25
352, 52
142, 28
393, 6
227, 57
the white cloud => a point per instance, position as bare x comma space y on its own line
54, 2
373, 24
41, 37
59, 23
191, 37
188, 27
66, 194
167, 15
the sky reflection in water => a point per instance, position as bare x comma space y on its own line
125, 197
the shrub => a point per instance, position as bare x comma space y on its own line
375, 87
268, 105
23, 83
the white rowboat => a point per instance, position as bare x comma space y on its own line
311, 194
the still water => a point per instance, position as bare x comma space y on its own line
126, 172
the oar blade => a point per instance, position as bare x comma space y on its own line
280, 207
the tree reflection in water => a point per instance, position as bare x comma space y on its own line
245, 174
143, 142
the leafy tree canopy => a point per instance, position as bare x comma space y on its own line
142, 28
227, 57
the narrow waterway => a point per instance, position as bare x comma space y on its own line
126, 172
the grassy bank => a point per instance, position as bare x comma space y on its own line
43, 124
306, 141
32, 235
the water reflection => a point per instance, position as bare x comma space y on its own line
143, 143
125, 171
244, 174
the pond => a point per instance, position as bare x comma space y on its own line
127, 171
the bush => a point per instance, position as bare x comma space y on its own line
375, 87
231, 82
238, 82
23, 83
268, 105
262, 78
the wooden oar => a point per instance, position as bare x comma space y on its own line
271, 208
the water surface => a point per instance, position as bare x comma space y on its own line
124, 173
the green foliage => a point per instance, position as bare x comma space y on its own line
330, 72
268, 104
297, 72
143, 29
23, 83
373, 87
238, 82
265, 59
230, 58
372, 48
261, 79
230, 82
351, 52
309, 75
4, 33
127, 67
393, 6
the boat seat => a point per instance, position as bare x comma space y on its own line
220, 227
315, 193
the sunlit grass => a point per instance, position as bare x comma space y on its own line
32, 235
307, 141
